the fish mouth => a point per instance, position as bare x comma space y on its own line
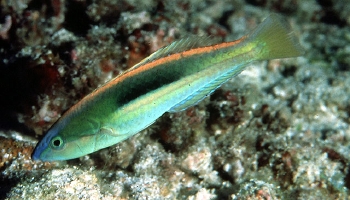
36, 154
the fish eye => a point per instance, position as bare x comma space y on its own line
57, 142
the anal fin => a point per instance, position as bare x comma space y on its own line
205, 91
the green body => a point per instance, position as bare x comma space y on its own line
170, 80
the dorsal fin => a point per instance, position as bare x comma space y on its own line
177, 47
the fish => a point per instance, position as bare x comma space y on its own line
171, 79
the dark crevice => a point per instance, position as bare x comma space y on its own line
76, 18
19, 86
265, 152
289, 71
347, 179
257, 2
332, 17
223, 21
40, 5
325, 3
64, 51
329, 15
6, 184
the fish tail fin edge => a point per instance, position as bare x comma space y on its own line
277, 39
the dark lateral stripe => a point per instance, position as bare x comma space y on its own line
138, 87
146, 82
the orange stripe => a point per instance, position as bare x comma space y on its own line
177, 56
167, 59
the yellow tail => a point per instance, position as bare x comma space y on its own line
277, 39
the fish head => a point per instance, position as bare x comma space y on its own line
68, 139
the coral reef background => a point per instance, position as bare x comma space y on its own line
279, 130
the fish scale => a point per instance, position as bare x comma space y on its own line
170, 80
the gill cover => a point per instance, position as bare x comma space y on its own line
67, 139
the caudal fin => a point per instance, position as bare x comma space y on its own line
277, 39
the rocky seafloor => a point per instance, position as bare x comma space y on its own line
279, 130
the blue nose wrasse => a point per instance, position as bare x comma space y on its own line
170, 80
